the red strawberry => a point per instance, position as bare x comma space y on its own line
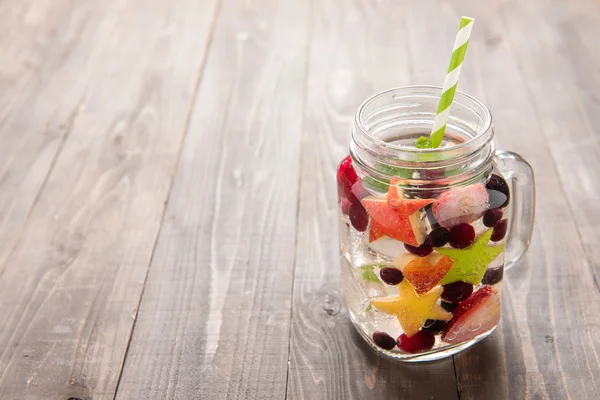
460, 205
346, 177
474, 316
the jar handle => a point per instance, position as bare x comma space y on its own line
519, 176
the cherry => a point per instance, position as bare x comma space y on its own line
493, 275
499, 231
438, 237
491, 217
462, 236
358, 217
391, 276
384, 340
420, 341
457, 291
421, 251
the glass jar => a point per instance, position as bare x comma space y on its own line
426, 234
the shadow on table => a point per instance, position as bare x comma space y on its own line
432, 379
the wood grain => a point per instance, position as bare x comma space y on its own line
70, 290
46, 54
214, 320
238, 273
357, 49
562, 77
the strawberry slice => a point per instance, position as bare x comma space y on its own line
474, 316
460, 205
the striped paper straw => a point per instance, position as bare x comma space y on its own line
458, 55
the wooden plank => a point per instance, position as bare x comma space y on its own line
214, 320
553, 70
357, 49
46, 53
546, 346
562, 76
70, 291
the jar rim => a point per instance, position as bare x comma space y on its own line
414, 90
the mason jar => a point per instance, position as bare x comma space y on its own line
426, 234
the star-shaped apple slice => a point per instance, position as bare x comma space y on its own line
382, 243
401, 222
471, 263
395, 194
411, 309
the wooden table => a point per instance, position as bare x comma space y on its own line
167, 195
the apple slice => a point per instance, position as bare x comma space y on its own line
474, 316
395, 193
424, 273
381, 243
375, 231
387, 246
402, 223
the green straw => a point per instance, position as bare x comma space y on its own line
443, 111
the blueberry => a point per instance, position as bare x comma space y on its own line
384, 340
499, 231
450, 307
391, 276
493, 275
498, 191
491, 217
438, 237
358, 217
457, 291
434, 326
421, 251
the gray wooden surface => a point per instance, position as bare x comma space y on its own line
167, 195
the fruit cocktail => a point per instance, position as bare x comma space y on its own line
423, 232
